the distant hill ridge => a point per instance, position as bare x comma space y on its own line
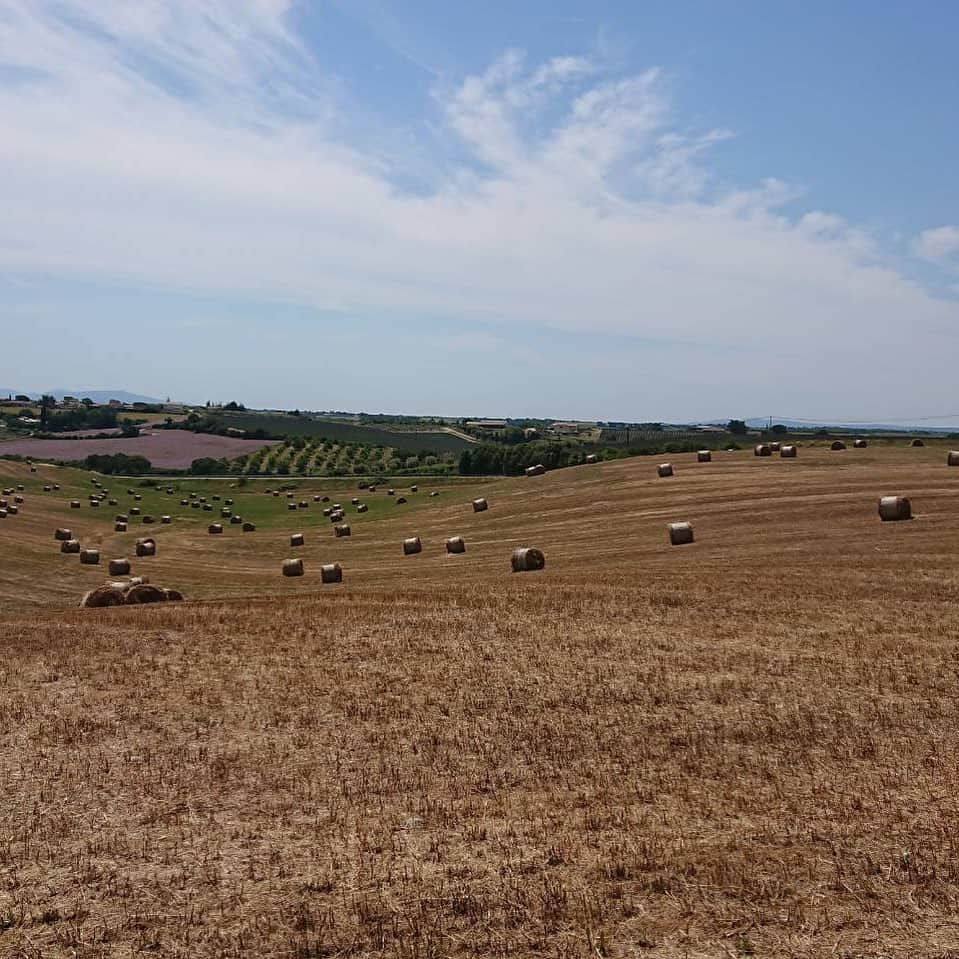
98, 396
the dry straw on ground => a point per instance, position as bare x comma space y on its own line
744, 748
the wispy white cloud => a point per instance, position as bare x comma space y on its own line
197, 144
938, 245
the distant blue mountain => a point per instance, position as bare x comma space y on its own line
98, 396
761, 422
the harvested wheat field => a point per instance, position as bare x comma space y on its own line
743, 746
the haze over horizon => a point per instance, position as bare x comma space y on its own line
589, 211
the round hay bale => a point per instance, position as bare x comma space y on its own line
94, 504
324, 499
355, 501
120, 518
342, 530
90, 557
137, 497
293, 567
775, 447
276, 493
62, 535
787, 452
414, 489
303, 504
953, 458
894, 508
112, 502
400, 500
704, 456
56, 487
363, 484
680, 533
13, 510
917, 442
337, 516
664, 469
166, 520
289, 495
101, 597
316, 499
249, 527
372, 489
296, 539
591, 458
215, 497
47, 489
173, 595
435, 493
762, 449
226, 512
328, 511
537, 470
291, 507
362, 508
138, 581
119, 527
412, 545
860, 444
148, 520
119, 567
214, 529
169, 491
206, 507
146, 547
527, 559
74, 504
184, 502
391, 492
837, 445
70, 546
144, 593
194, 505
202, 499
235, 520
33, 469
331, 573
480, 505
134, 510
130, 492
21, 488
456, 544
3, 513
3, 504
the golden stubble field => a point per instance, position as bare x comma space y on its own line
746, 746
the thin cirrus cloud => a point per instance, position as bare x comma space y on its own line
198, 145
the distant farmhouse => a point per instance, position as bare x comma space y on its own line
487, 424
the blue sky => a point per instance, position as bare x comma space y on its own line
598, 210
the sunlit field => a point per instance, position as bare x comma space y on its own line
743, 746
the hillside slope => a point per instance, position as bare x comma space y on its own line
746, 746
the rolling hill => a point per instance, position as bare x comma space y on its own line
743, 746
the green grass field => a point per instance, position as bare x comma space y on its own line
251, 501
